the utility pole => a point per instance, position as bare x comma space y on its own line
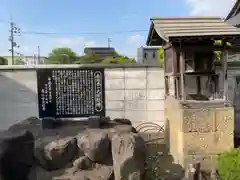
34, 59
12, 40
14, 30
109, 42
38, 54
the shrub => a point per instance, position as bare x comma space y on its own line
228, 165
3, 61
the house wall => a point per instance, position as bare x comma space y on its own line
150, 58
101, 52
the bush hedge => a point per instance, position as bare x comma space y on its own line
228, 165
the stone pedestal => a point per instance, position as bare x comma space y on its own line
199, 132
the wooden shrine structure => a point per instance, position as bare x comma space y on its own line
199, 117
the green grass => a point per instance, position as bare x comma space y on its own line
228, 165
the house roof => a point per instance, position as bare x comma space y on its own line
150, 47
235, 10
99, 49
162, 29
235, 20
233, 17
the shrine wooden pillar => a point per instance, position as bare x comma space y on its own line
182, 71
225, 70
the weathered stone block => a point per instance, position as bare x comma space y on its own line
157, 116
135, 83
135, 73
115, 105
155, 73
137, 105
155, 94
116, 73
95, 144
135, 95
206, 143
155, 105
155, 80
198, 133
114, 95
195, 120
207, 161
175, 143
175, 132
225, 120
198, 143
128, 154
136, 115
224, 140
114, 84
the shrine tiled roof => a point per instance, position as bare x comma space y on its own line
166, 28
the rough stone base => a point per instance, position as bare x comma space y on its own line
199, 134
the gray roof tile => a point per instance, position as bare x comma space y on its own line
168, 27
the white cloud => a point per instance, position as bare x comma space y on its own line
136, 38
210, 7
130, 46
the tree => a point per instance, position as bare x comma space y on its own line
3, 61
119, 60
62, 56
88, 59
161, 57
218, 54
19, 61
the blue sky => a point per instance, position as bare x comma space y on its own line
69, 19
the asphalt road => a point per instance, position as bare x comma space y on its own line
16, 102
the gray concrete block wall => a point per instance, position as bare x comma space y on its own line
136, 94
155, 95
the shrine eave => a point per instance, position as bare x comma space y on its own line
164, 29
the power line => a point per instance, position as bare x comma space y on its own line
79, 33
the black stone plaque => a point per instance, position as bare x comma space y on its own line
69, 93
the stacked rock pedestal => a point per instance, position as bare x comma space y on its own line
199, 131
99, 148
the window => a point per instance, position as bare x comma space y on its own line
145, 55
154, 55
